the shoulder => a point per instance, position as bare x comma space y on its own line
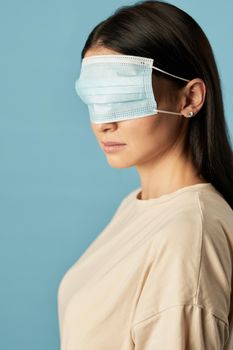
201, 237
217, 215
203, 212
216, 264
191, 257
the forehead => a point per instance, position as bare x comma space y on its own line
94, 51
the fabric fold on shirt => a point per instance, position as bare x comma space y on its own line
181, 327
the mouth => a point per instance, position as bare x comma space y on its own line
110, 147
112, 143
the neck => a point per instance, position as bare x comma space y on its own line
167, 174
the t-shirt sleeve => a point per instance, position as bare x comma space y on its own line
181, 327
185, 297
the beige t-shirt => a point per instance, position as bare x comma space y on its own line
158, 277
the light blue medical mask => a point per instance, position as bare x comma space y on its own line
118, 87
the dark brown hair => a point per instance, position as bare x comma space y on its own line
178, 45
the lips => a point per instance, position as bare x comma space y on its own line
112, 143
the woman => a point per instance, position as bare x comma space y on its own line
159, 276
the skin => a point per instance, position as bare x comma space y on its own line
155, 143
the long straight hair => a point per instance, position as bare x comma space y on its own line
177, 44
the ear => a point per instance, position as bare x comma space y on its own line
193, 97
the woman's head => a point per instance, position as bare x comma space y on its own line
150, 137
177, 44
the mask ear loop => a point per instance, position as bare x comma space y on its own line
174, 76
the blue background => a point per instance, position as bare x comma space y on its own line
57, 190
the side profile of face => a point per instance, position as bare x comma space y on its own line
145, 138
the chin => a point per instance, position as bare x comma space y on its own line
120, 164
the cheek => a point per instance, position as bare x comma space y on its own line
150, 135
142, 131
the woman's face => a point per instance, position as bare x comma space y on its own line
145, 138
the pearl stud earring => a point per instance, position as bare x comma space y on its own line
190, 114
